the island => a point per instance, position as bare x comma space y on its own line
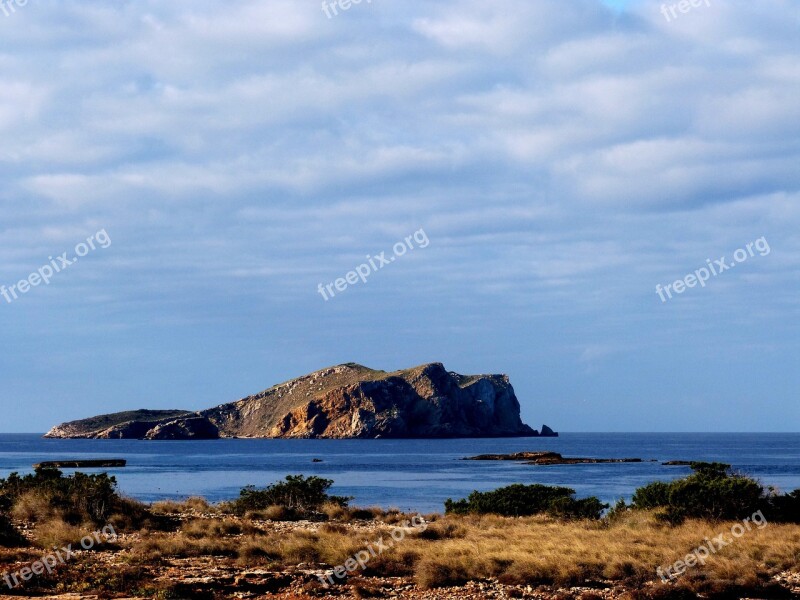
340, 402
550, 458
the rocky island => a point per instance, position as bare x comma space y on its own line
551, 458
345, 401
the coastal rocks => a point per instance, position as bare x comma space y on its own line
547, 432
189, 427
550, 458
82, 464
346, 401
131, 424
192, 428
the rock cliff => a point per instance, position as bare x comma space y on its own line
346, 401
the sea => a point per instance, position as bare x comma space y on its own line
412, 475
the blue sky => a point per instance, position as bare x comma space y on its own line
563, 158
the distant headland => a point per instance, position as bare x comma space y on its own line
341, 402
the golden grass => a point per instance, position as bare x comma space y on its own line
540, 550
530, 551
32, 507
55, 533
193, 505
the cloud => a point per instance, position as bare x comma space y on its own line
564, 157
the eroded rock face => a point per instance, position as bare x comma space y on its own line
351, 401
347, 401
191, 428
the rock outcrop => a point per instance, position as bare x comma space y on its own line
550, 458
547, 432
132, 424
346, 401
187, 428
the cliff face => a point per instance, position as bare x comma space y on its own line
347, 401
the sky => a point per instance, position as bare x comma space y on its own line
557, 160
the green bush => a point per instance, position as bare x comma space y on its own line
570, 508
785, 508
519, 500
652, 495
78, 498
46, 495
9, 536
710, 492
296, 493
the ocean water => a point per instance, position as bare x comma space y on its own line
410, 474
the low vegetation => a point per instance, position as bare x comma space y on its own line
64, 509
525, 500
77, 499
713, 491
9, 536
296, 495
520, 535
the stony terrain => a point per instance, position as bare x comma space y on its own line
346, 401
220, 577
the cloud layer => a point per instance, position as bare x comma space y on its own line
563, 157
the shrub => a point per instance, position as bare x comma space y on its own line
570, 508
652, 495
519, 500
194, 504
785, 508
79, 499
47, 494
618, 511
296, 493
55, 533
711, 491
273, 513
9, 536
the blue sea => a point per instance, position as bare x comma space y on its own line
414, 475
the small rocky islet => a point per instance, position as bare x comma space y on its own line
551, 458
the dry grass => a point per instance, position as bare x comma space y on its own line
530, 551
55, 533
193, 505
272, 513
33, 507
215, 528
540, 550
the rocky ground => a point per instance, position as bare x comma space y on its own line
302, 585
217, 578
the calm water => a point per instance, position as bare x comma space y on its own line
409, 474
